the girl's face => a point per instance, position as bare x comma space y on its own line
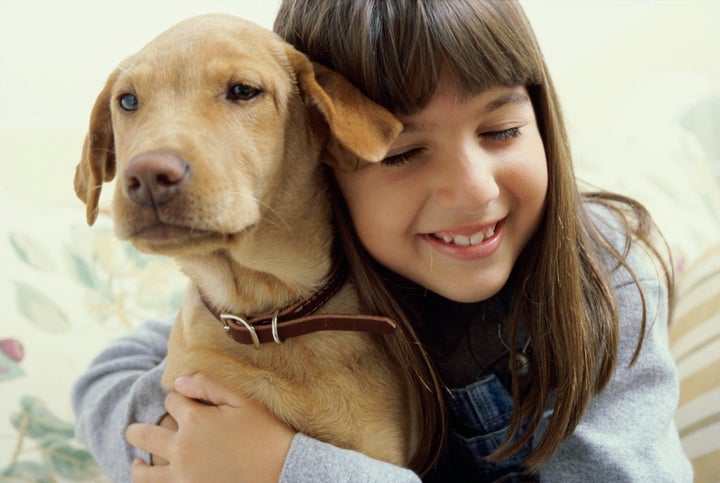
460, 194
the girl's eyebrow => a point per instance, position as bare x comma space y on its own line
514, 97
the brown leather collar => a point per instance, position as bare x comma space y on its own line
298, 319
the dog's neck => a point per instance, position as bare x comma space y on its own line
299, 319
267, 269
301, 308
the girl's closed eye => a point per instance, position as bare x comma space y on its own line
501, 136
401, 158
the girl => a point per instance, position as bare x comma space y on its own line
542, 311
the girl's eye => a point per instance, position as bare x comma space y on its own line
501, 136
242, 92
129, 102
401, 158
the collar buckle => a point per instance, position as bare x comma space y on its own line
227, 319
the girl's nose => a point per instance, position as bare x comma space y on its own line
466, 178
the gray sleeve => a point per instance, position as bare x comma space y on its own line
312, 460
628, 431
121, 386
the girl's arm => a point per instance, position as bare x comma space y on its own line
628, 432
122, 386
239, 440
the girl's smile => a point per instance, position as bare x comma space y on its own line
459, 195
468, 243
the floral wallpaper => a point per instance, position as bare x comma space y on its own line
68, 290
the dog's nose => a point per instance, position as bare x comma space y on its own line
154, 178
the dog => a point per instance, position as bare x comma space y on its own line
217, 131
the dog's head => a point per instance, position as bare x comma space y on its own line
207, 123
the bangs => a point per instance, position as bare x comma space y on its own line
482, 45
395, 50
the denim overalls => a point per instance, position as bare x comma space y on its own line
479, 418
479, 413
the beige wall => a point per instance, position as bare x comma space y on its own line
54, 57
605, 54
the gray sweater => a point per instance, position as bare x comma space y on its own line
626, 434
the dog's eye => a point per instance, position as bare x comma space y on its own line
242, 92
129, 102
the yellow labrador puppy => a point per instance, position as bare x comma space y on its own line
217, 130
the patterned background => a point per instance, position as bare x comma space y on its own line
639, 80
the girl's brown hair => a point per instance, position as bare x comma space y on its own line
394, 51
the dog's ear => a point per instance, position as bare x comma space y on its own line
97, 162
361, 131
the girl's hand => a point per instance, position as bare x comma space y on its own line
237, 439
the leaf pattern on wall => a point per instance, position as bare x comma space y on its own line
61, 456
84, 272
31, 252
40, 310
77, 281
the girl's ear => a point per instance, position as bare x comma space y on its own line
97, 162
360, 130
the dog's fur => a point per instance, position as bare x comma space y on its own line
234, 191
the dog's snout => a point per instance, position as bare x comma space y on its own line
154, 178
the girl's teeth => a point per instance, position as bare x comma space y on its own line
461, 240
474, 239
477, 238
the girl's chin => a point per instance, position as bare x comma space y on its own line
466, 291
